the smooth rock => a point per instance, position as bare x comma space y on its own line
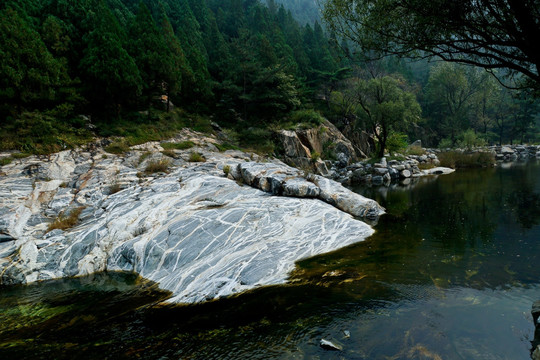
346, 200
438, 171
405, 174
193, 231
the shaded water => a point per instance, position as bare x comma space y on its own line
451, 273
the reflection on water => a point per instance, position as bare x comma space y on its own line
449, 274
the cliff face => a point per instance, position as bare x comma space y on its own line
304, 147
201, 230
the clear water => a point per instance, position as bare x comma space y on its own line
451, 273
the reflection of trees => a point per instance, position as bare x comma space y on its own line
526, 208
455, 231
524, 203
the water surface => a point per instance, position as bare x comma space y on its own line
451, 273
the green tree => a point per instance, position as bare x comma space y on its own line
451, 97
493, 34
175, 64
385, 106
151, 54
110, 75
29, 75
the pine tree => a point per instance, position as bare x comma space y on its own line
147, 47
109, 73
29, 74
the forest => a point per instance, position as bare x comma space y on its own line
73, 69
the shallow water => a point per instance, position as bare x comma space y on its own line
451, 273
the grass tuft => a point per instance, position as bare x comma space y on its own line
63, 222
196, 157
157, 166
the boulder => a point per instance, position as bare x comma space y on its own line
417, 143
506, 150
292, 145
438, 171
405, 174
346, 200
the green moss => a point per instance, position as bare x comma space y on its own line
227, 146
184, 145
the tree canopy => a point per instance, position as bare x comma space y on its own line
492, 34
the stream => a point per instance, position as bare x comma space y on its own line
451, 273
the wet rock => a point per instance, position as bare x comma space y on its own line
330, 345
380, 170
377, 180
439, 171
405, 174
536, 311
346, 200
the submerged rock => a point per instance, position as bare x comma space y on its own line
330, 345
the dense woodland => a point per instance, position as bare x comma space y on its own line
69, 69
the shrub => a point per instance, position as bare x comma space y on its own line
307, 116
63, 222
5, 161
315, 156
184, 145
196, 157
257, 139
157, 166
426, 166
446, 144
39, 133
457, 159
329, 151
119, 146
169, 153
226, 170
415, 150
469, 139
396, 142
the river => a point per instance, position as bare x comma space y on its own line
451, 273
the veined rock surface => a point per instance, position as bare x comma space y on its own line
193, 230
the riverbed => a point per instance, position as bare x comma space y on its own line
450, 273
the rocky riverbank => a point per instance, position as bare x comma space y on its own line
201, 229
